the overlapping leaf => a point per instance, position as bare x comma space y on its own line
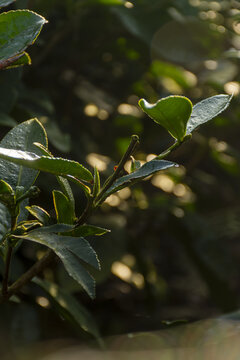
56, 166
18, 30
22, 137
72, 251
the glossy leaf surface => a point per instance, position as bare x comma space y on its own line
56, 166
171, 112
18, 30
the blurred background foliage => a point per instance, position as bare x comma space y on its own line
173, 252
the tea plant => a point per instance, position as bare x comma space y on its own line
24, 153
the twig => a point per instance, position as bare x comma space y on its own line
130, 150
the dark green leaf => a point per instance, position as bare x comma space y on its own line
18, 30
147, 169
56, 166
171, 112
40, 214
22, 138
56, 228
206, 110
88, 230
71, 251
69, 307
63, 208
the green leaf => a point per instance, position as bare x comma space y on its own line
7, 195
66, 188
63, 208
56, 166
96, 182
206, 110
171, 112
18, 30
135, 164
5, 2
56, 228
144, 171
20, 137
69, 307
88, 230
72, 251
40, 214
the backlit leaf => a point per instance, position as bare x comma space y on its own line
172, 112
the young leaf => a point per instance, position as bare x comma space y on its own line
63, 208
40, 214
96, 182
135, 164
56, 166
69, 307
88, 230
147, 169
71, 251
18, 30
206, 110
171, 112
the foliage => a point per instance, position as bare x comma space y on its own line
178, 243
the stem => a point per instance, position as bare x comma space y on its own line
27, 276
7, 271
173, 147
8, 260
86, 213
130, 150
